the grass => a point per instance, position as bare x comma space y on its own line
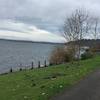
43, 83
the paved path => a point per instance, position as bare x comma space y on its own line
87, 89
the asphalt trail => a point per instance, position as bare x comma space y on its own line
87, 89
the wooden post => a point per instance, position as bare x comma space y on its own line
32, 65
45, 63
20, 69
39, 64
11, 70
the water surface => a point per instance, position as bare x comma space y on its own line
14, 54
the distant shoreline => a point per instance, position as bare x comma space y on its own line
31, 41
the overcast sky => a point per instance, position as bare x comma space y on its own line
39, 20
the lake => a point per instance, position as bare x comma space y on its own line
16, 54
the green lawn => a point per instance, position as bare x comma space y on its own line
43, 83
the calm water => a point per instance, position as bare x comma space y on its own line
21, 54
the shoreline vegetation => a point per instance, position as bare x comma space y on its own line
44, 83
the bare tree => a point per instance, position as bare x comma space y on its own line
76, 26
95, 31
95, 28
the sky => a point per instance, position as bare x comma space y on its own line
39, 20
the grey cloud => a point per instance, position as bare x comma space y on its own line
46, 14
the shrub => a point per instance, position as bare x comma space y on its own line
70, 53
61, 55
96, 49
57, 56
87, 55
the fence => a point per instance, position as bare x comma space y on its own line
31, 67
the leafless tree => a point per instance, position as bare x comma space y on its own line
95, 28
95, 31
76, 26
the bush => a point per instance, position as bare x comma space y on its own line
61, 55
70, 53
57, 56
96, 49
87, 55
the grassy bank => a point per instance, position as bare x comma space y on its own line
41, 84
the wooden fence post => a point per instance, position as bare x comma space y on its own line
39, 64
20, 69
45, 63
11, 70
32, 65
